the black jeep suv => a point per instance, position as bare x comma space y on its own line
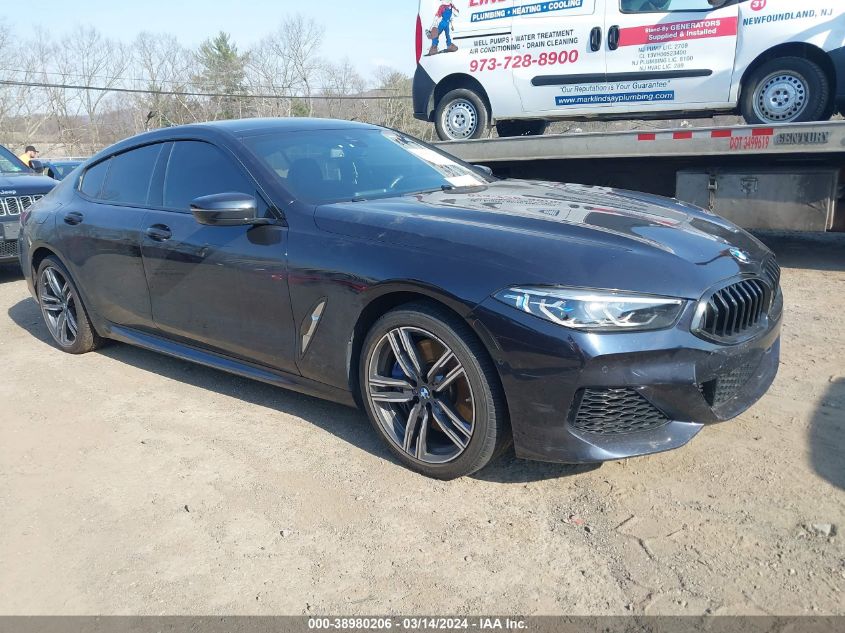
20, 187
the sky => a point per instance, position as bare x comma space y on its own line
365, 31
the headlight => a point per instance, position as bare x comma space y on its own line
603, 310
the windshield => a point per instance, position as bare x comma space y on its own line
9, 164
323, 166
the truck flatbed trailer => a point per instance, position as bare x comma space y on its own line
786, 177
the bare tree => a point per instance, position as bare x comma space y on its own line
163, 65
396, 111
342, 80
83, 91
296, 45
90, 59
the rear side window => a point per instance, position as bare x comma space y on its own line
93, 179
199, 169
128, 180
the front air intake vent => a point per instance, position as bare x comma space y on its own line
612, 411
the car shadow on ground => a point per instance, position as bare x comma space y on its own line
827, 435
811, 251
350, 425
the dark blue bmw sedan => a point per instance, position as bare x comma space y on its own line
461, 312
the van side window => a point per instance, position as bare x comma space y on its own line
669, 6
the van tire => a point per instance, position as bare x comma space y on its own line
804, 87
507, 129
461, 115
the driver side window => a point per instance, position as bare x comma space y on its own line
198, 169
669, 6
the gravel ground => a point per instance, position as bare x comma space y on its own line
134, 483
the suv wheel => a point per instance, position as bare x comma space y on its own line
461, 115
62, 309
786, 90
432, 393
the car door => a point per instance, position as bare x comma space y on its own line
560, 66
670, 54
99, 235
223, 288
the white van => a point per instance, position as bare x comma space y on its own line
518, 64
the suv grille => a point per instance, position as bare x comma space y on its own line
616, 411
8, 248
735, 309
15, 206
726, 386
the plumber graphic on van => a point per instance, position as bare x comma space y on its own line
443, 24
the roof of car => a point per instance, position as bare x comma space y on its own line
235, 128
292, 124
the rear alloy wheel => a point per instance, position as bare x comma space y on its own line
62, 309
461, 115
507, 129
786, 90
432, 393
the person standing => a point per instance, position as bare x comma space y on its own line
28, 155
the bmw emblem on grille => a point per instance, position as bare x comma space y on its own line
740, 255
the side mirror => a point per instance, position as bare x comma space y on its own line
485, 169
36, 165
225, 209
717, 4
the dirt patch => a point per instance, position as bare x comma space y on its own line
135, 483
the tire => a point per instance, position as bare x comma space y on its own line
786, 90
507, 129
461, 115
62, 309
456, 405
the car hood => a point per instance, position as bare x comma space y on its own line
25, 184
562, 234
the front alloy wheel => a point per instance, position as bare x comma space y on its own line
432, 393
421, 395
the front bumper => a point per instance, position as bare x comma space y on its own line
423, 95
546, 370
9, 231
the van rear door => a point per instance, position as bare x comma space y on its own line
561, 63
670, 54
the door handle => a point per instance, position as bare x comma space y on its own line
613, 37
73, 218
159, 233
595, 39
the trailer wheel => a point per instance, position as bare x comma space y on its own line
521, 128
786, 90
461, 115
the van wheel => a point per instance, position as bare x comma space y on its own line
521, 128
461, 115
786, 90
